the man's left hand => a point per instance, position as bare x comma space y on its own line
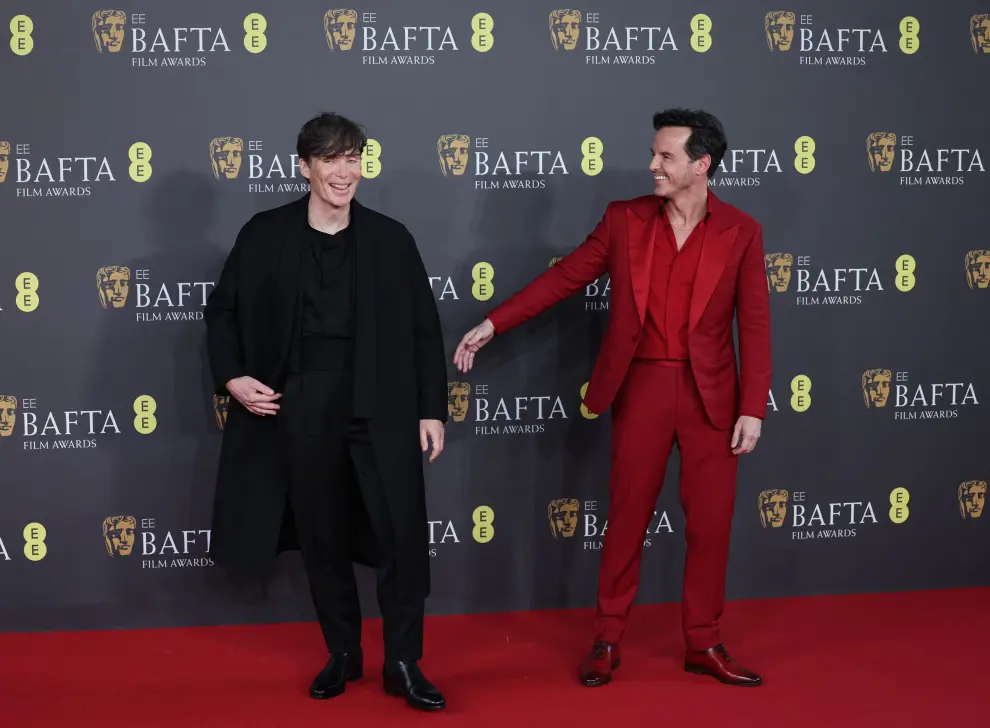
746, 434
432, 429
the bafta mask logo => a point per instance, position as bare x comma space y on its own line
978, 268
119, 533
340, 26
773, 507
779, 270
972, 496
979, 33
457, 400
220, 407
109, 30
113, 283
880, 150
226, 154
779, 26
563, 516
565, 29
4, 160
876, 387
454, 151
8, 415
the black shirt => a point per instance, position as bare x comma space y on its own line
328, 284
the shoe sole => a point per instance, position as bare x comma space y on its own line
688, 667
604, 681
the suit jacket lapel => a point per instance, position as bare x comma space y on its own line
720, 234
641, 223
365, 314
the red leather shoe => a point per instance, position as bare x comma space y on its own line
596, 669
717, 663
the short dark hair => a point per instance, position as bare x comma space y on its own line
329, 135
707, 135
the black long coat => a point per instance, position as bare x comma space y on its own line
401, 377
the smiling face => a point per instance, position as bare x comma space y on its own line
333, 180
672, 169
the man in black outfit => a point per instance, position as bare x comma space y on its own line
322, 306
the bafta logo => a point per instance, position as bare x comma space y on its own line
454, 151
563, 516
340, 26
876, 387
979, 33
113, 282
773, 507
4, 160
8, 415
779, 26
220, 407
226, 154
972, 496
118, 534
779, 270
457, 400
880, 150
978, 268
109, 30
565, 29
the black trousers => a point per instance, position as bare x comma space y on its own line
335, 488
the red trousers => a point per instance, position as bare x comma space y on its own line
657, 405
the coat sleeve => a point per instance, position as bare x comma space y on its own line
431, 360
223, 339
753, 322
570, 274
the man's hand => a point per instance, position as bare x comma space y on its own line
746, 434
432, 429
254, 395
472, 341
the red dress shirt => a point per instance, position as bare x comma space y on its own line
665, 330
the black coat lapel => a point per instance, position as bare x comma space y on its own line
288, 291
365, 315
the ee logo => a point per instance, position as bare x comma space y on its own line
255, 40
27, 292
482, 40
905, 273
35, 548
371, 165
591, 156
909, 27
21, 42
145, 421
899, 511
483, 530
140, 167
482, 275
804, 155
701, 39
801, 393
585, 412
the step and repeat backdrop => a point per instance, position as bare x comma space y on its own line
135, 141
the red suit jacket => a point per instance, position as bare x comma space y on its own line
731, 279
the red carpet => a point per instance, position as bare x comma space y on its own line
909, 659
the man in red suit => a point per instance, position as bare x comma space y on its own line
682, 265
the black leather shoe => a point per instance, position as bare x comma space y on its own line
342, 668
405, 679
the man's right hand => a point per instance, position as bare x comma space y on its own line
472, 341
254, 395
